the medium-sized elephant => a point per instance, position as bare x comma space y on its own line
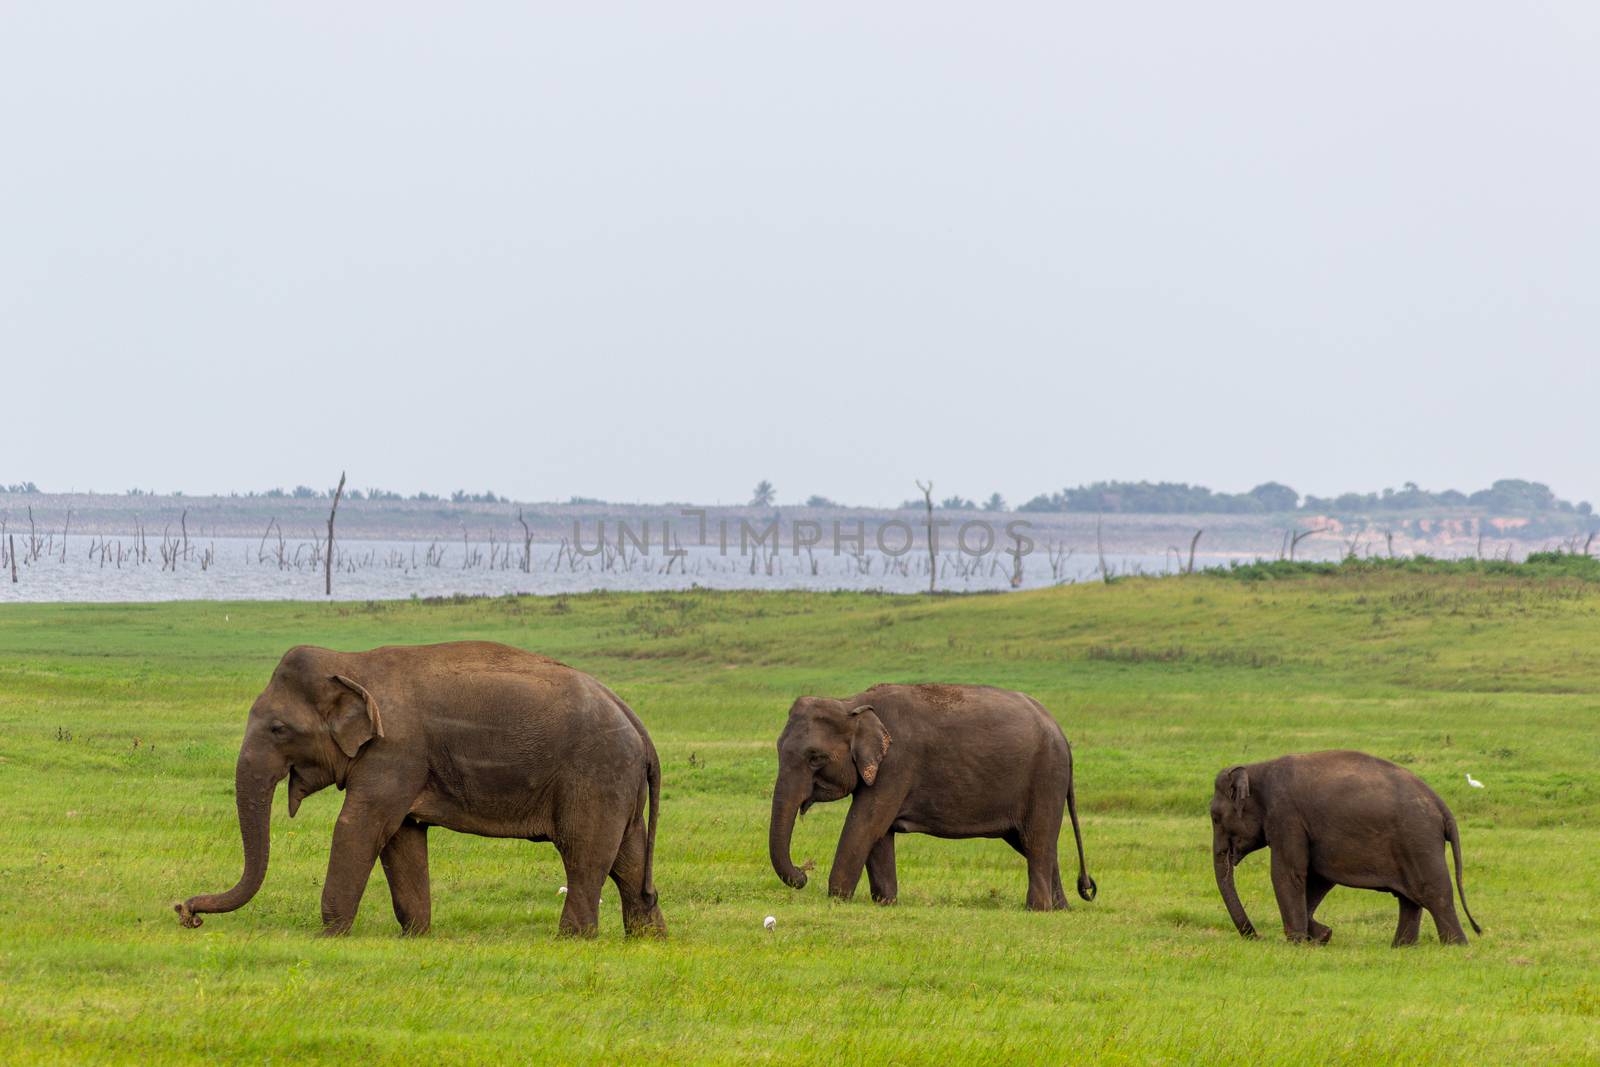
472, 736
947, 760
1338, 818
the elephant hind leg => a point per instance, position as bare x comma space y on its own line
639, 919
586, 873
1445, 920
405, 865
1317, 887
1410, 922
1037, 843
1436, 894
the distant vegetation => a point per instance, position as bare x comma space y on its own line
1537, 565
1512, 496
1506, 497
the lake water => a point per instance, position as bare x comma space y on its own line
230, 568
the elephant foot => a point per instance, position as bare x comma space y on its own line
650, 924
186, 917
887, 902
1321, 934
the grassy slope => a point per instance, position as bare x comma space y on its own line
1159, 684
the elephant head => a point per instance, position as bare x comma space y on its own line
826, 751
308, 725
1236, 831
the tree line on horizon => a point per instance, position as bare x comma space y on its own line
1507, 495
1504, 496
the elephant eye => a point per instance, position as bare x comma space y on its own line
817, 759
280, 730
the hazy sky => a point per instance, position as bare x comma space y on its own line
658, 252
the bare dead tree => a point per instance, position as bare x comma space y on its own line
64, 528
1195, 540
327, 570
183, 524
1352, 546
261, 549
1059, 555
1589, 541
12, 541
1294, 542
1388, 536
1100, 550
927, 498
1016, 560
527, 543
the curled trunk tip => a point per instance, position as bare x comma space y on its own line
785, 809
1223, 864
253, 786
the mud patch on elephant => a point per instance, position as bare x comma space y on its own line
941, 696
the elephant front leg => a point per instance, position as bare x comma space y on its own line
358, 835
871, 815
880, 871
1289, 884
405, 864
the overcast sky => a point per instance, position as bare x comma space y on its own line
659, 252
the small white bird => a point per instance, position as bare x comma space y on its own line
770, 922
562, 890
1473, 782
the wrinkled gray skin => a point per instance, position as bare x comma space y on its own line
1338, 818
946, 760
472, 736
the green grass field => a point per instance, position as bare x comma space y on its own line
119, 726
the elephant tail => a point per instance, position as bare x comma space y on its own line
652, 774
1086, 887
1453, 835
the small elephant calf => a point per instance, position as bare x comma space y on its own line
1338, 818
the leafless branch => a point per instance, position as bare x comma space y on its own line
327, 569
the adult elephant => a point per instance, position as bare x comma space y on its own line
1338, 818
472, 736
946, 760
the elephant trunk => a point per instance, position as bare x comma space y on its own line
786, 800
256, 778
1223, 861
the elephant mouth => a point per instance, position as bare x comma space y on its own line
805, 805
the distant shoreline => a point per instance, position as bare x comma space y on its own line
1452, 531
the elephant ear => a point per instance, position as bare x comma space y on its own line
1238, 785
870, 742
355, 718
